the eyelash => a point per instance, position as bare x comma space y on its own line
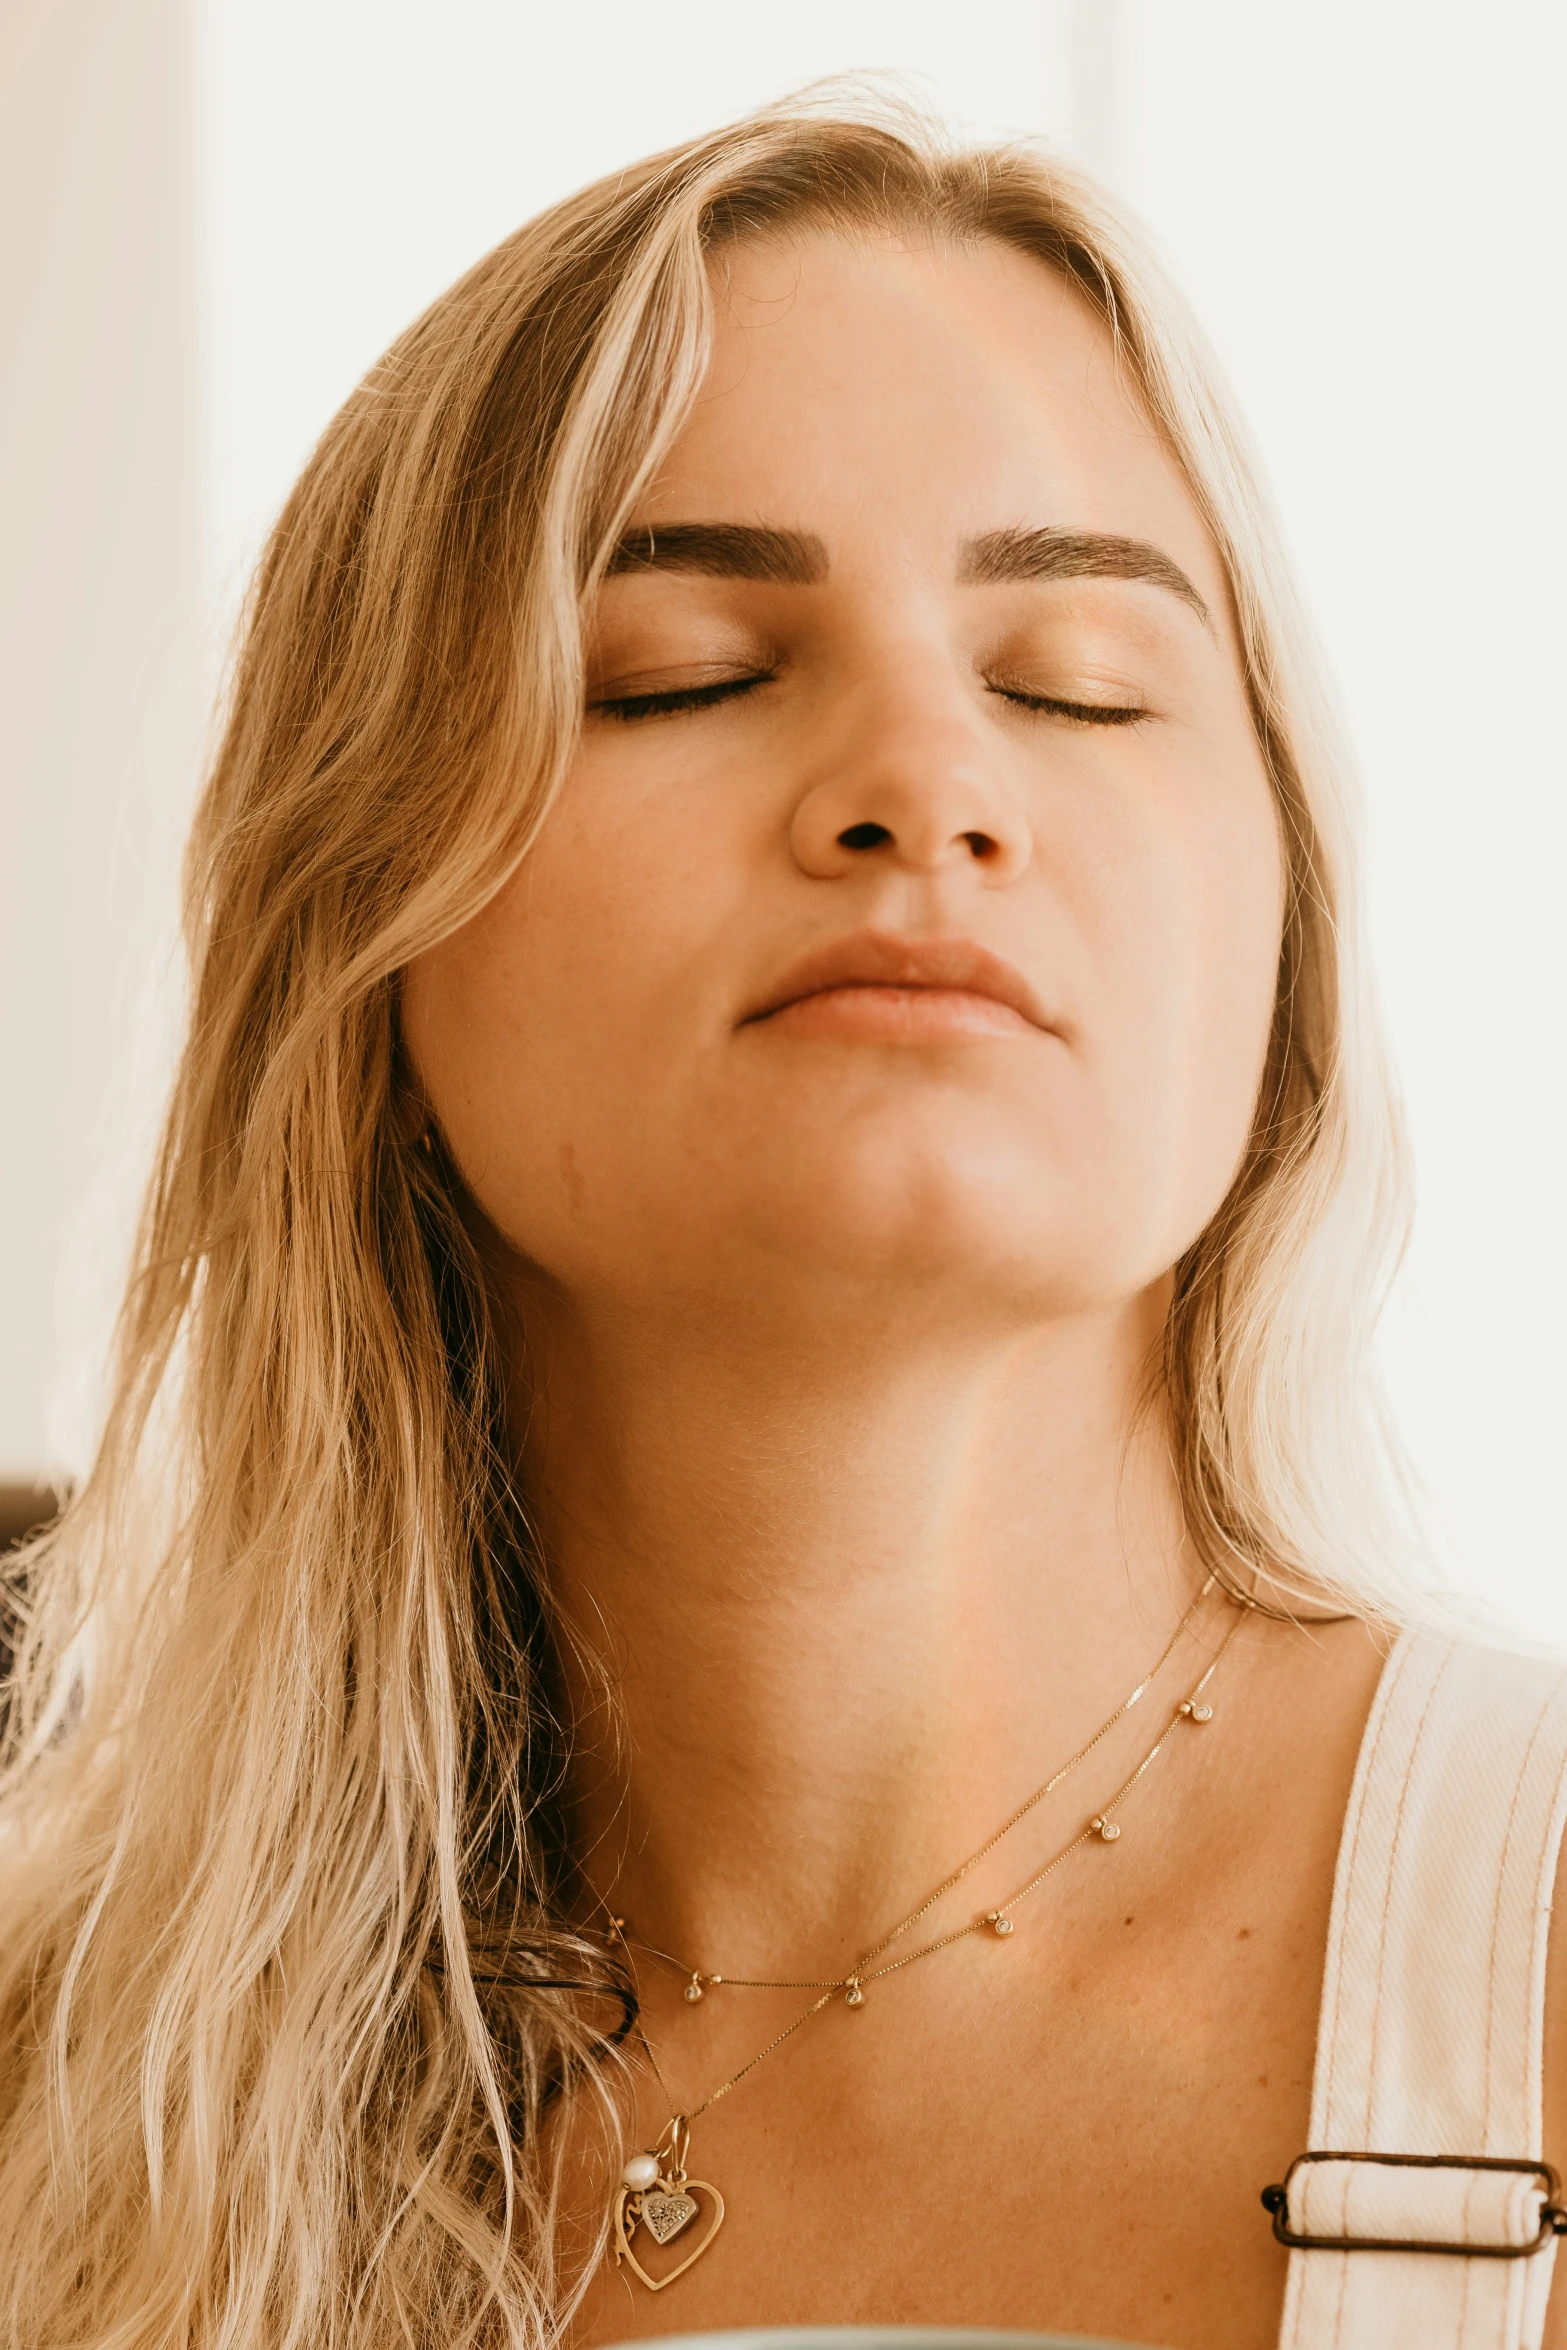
1084, 713
629, 708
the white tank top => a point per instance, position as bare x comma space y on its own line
1433, 2011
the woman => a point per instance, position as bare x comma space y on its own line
713, 1669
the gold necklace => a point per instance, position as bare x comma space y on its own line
699, 1983
655, 2192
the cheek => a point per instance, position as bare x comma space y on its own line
471, 1023
1198, 953
541, 1031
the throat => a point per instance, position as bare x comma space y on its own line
812, 1665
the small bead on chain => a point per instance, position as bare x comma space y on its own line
1194, 1713
998, 1921
853, 1996
1105, 1830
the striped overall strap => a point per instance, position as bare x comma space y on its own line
1433, 2005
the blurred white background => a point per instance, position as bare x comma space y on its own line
216, 213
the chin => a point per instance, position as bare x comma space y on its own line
977, 1234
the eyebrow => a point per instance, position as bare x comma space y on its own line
1000, 558
1004, 556
725, 550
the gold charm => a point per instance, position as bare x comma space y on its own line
666, 2211
655, 2194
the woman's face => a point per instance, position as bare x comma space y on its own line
908, 927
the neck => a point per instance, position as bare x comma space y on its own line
848, 1612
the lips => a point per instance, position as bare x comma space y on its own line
878, 959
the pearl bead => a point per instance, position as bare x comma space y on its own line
640, 2173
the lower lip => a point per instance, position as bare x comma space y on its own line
897, 1015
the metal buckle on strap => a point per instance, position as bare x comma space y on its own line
1553, 2218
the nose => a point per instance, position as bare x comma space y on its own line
918, 791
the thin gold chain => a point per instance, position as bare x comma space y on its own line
1052, 1784
859, 1976
1063, 1772
1084, 1835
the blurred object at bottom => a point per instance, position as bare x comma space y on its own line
877, 2338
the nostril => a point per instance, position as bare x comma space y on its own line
980, 844
864, 836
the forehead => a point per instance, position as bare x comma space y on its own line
898, 397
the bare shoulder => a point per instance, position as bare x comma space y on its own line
1305, 1696
1311, 1687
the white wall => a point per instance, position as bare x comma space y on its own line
1366, 201
103, 675
360, 153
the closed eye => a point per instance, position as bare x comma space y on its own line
1082, 713
687, 697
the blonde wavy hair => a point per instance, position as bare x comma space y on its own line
286, 2002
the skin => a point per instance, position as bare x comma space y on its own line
835, 1316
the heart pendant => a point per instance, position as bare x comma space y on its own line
665, 2215
664, 2211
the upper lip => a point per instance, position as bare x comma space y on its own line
882, 958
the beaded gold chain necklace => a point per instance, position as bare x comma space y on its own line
655, 2196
